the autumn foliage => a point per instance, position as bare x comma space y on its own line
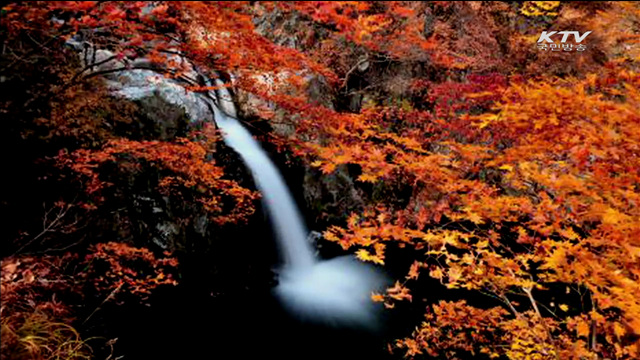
188, 172
38, 293
522, 165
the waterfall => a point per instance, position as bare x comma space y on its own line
287, 221
333, 292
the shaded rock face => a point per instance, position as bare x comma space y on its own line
160, 119
331, 198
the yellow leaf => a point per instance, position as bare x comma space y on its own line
367, 178
506, 167
569, 234
485, 120
564, 307
454, 275
618, 330
583, 329
436, 273
612, 216
364, 255
556, 259
479, 94
475, 218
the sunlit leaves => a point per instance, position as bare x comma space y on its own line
568, 179
190, 171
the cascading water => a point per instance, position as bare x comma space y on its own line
334, 292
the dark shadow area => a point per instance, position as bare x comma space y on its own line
184, 322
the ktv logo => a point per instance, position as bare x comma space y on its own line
545, 40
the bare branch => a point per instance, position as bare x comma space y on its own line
50, 226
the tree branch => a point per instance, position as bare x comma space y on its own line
544, 324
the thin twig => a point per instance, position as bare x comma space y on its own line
47, 227
109, 297
594, 340
48, 251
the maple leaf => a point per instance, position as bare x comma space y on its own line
556, 260
475, 218
436, 273
399, 292
364, 255
367, 178
328, 168
612, 216
582, 329
618, 330
414, 270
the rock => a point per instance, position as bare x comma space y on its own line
166, 233
144, 84
331, 197
160, 119
140, 80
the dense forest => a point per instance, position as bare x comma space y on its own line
471, 168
